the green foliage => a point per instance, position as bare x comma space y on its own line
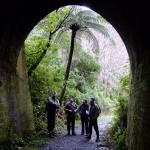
49, 74
86, 65
13, 142
53, 21
34, 46
60, 124
120, 139
120, 114
44, 80
118, 127
82, 21
124, 81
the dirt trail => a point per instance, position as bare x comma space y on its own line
79, 142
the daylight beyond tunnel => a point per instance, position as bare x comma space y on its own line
76, 52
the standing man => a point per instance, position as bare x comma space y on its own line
52, 107
71, 109
93, 115
84, 112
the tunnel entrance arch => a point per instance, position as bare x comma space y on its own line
117, 50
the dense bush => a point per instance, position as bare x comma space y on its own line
12, 142
118, 128
48, 74
120, 139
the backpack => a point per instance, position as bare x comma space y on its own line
99, 110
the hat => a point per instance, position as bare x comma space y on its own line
72, 97
92, 98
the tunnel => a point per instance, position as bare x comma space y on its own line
130, 19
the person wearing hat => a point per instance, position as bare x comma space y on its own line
93, 115
52, 108
71, 108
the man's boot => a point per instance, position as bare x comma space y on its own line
88, 137
97, 139
73, 133
54, 133
68, 133
51, 135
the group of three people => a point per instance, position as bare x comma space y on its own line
88, 114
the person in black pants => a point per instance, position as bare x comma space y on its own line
84, 111
71, 109
52, 107
93, 115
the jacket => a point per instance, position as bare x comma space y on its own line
51, 106
93, 111
83, 109
70, 106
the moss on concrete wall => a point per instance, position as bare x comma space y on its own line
4, 118
139, 107
16, 112
24, 104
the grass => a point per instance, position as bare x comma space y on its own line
36, 144
30, 148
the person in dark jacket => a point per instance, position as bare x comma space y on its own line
93, 115
52, 108
84, 111
71, 109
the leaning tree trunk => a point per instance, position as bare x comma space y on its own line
38, 61
68, 67
59, 26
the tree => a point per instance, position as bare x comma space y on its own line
49, 25
81, 22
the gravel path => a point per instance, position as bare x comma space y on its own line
79, 142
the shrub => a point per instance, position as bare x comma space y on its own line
13, 142
120, 139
